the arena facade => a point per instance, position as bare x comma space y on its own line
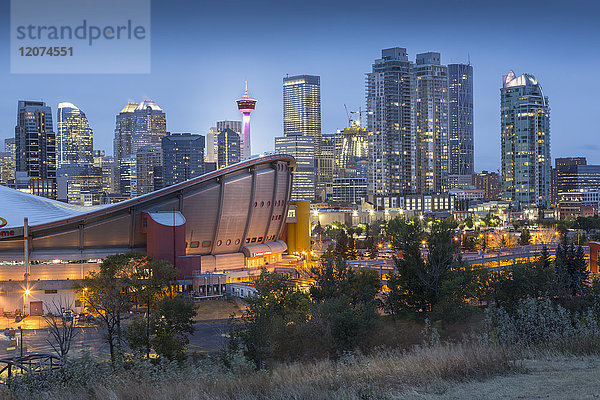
224, 221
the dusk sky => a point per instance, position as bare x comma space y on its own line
203, 52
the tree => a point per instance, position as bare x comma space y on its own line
442, 281
122, 280
173, 321
491, 220
525, 238
149, 281
276, 308
334, 279
469, 222
61, 329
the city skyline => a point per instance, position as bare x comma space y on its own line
341, 65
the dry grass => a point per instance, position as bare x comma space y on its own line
385, 375
555, 377
213, 309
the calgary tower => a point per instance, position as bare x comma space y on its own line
246, 106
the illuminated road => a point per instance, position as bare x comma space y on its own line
209, 337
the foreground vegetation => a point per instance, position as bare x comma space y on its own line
439, 322
379, 375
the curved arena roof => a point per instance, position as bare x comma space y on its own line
245, 203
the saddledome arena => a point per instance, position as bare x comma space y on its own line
224, 221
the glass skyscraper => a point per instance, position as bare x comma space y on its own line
460, 132
183, 157
302, 120
430, 124
74, 139
229, 148
303, 150
302, 107
525, 141
35, 153
389, 95
139, 130
124, 126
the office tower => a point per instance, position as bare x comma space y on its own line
149, 170
246, 105
302, 117
127, 168
489, 182
235, 126
352, 153
7, 170
183, 157
389, 92
108, 167
211, 153
74, 140
229, 148
79, 183
303, 150
124, 126
588, 177
36, 147
431, 124
302, 107
139, 129
325, 165
149, 126
212, 148
525, 130
460, 125
566, 172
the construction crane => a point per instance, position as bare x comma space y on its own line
350, 113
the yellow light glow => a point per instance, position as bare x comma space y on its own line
27, 291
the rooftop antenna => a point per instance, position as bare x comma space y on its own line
469, 57
246, 86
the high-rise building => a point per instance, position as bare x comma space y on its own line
229, 148
212, 145
389, 94
325, 166
303, 150
525, 138
149, 170
74, 140
460, 121
36, 147
352, 153
123, 129
489, 182
246, 105
7, 162
211, 154
128, 176
235, 126
6, 168
302, 107
566, 172
302, 118
183, 157
431, 124
108, 167
79, 183
140, 129
149, 126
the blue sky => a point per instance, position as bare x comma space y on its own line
203, 51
